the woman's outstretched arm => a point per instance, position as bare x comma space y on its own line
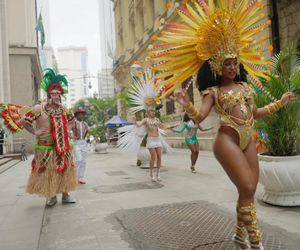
273, 107
197, 115
179, 131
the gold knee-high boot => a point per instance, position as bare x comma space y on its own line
249, 218
241, 235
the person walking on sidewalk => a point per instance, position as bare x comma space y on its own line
217, 42
53, 166
191, 139
80, 131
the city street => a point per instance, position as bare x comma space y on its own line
119, 208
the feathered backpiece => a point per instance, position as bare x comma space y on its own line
52, 78
11, 115
212, 30
144, 92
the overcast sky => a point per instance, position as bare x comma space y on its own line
75, 22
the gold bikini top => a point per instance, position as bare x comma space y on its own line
224, 102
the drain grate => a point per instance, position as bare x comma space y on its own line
127, 187
115, 173
196, 225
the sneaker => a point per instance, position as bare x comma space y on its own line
81, 182
158, 178
51, 201
69, 199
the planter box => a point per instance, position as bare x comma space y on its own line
280, 177
101, 148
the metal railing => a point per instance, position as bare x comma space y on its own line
15, 148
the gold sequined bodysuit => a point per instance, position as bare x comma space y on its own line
225, 102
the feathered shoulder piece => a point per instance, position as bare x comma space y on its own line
11, 115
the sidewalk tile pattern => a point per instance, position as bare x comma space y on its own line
115, 173
127, 187
192, 225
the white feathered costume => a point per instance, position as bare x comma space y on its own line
143, 93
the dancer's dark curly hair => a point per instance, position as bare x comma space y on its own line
186, 118
206, 78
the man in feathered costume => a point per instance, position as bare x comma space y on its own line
53, 167
216, 42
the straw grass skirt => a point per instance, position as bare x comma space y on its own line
49, 182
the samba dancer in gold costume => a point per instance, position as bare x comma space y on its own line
217, 37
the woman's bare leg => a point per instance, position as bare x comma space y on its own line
152, 160
158, 154
194, 152
242, 173
249, 214
194, 148
237, 168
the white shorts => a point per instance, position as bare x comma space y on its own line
153, 142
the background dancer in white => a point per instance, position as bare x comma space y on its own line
80, 130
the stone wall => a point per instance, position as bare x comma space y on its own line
289, 21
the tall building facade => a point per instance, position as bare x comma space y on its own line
136, 21
106, 84
72, 61
286, 28
20, 69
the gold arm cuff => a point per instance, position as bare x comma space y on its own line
191, 111
274, 107
190, 104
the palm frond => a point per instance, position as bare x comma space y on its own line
295, 81
283, 126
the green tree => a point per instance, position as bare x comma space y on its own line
282, 127
99, 111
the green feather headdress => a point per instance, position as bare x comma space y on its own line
51, 77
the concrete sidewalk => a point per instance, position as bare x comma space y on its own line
117, 194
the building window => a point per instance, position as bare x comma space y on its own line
131, 23
170, 107
36, 89
140, 21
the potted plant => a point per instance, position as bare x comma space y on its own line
280, 166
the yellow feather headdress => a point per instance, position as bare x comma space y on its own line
212, 30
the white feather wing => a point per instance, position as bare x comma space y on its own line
130, 138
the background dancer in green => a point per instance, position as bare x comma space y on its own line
191, 139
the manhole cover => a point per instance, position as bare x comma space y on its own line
127, 187
116, 173
194, 225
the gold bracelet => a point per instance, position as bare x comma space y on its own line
190, 104
190, 108
191, 111
274, 107
194, 116
268, 109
